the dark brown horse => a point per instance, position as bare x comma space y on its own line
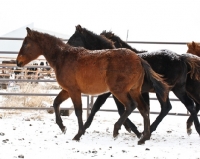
193, 86
78, 70
182, 87
174, 67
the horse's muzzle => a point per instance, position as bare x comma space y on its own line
19, 64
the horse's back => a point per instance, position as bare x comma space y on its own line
100, 71
166, 63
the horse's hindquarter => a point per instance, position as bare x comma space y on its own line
124, 71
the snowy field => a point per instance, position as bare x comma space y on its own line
34, 135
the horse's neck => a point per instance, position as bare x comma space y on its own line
98, 43
52, 52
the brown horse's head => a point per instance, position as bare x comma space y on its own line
193, 48
29, 50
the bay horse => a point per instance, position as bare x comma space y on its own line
79, 70
189, 84
172, 66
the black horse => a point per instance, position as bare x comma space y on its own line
174, 67
192, 84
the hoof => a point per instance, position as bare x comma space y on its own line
64, 130
115, 135
115, 131
76, 138
143, 139
189, 131
141, 142
139, 136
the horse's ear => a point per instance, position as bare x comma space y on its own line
29, 32
188, 45
193, 44
79, 28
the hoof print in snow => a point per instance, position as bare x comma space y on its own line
21, 156
2, 134
5, 141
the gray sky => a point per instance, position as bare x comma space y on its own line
147, 20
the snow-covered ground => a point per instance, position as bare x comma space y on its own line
34, 134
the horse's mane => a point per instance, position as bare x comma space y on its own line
45, 39
92, 40
118, 42
53, 43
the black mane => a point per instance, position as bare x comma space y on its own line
118, 42
85, 38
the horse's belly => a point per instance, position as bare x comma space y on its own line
93, 90
92, 84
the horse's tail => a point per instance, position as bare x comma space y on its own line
193, 65
161, 88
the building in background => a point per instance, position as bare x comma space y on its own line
14, 45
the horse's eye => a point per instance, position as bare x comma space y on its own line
24, 45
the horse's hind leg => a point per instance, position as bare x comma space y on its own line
127, 124
76, 99
189, 104
98, 103
63, 95
130, 105
144, 111
190, 119
165, 108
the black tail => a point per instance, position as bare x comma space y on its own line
193, 65
161, 88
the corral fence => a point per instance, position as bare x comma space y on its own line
9, 68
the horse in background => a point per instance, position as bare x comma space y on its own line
193, 48
188, 84
193, 86
172, 66
79, 70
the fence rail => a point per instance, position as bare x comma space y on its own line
90, 99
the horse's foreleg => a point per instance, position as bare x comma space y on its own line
97, 105
63, 95
76, 99
127, 124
